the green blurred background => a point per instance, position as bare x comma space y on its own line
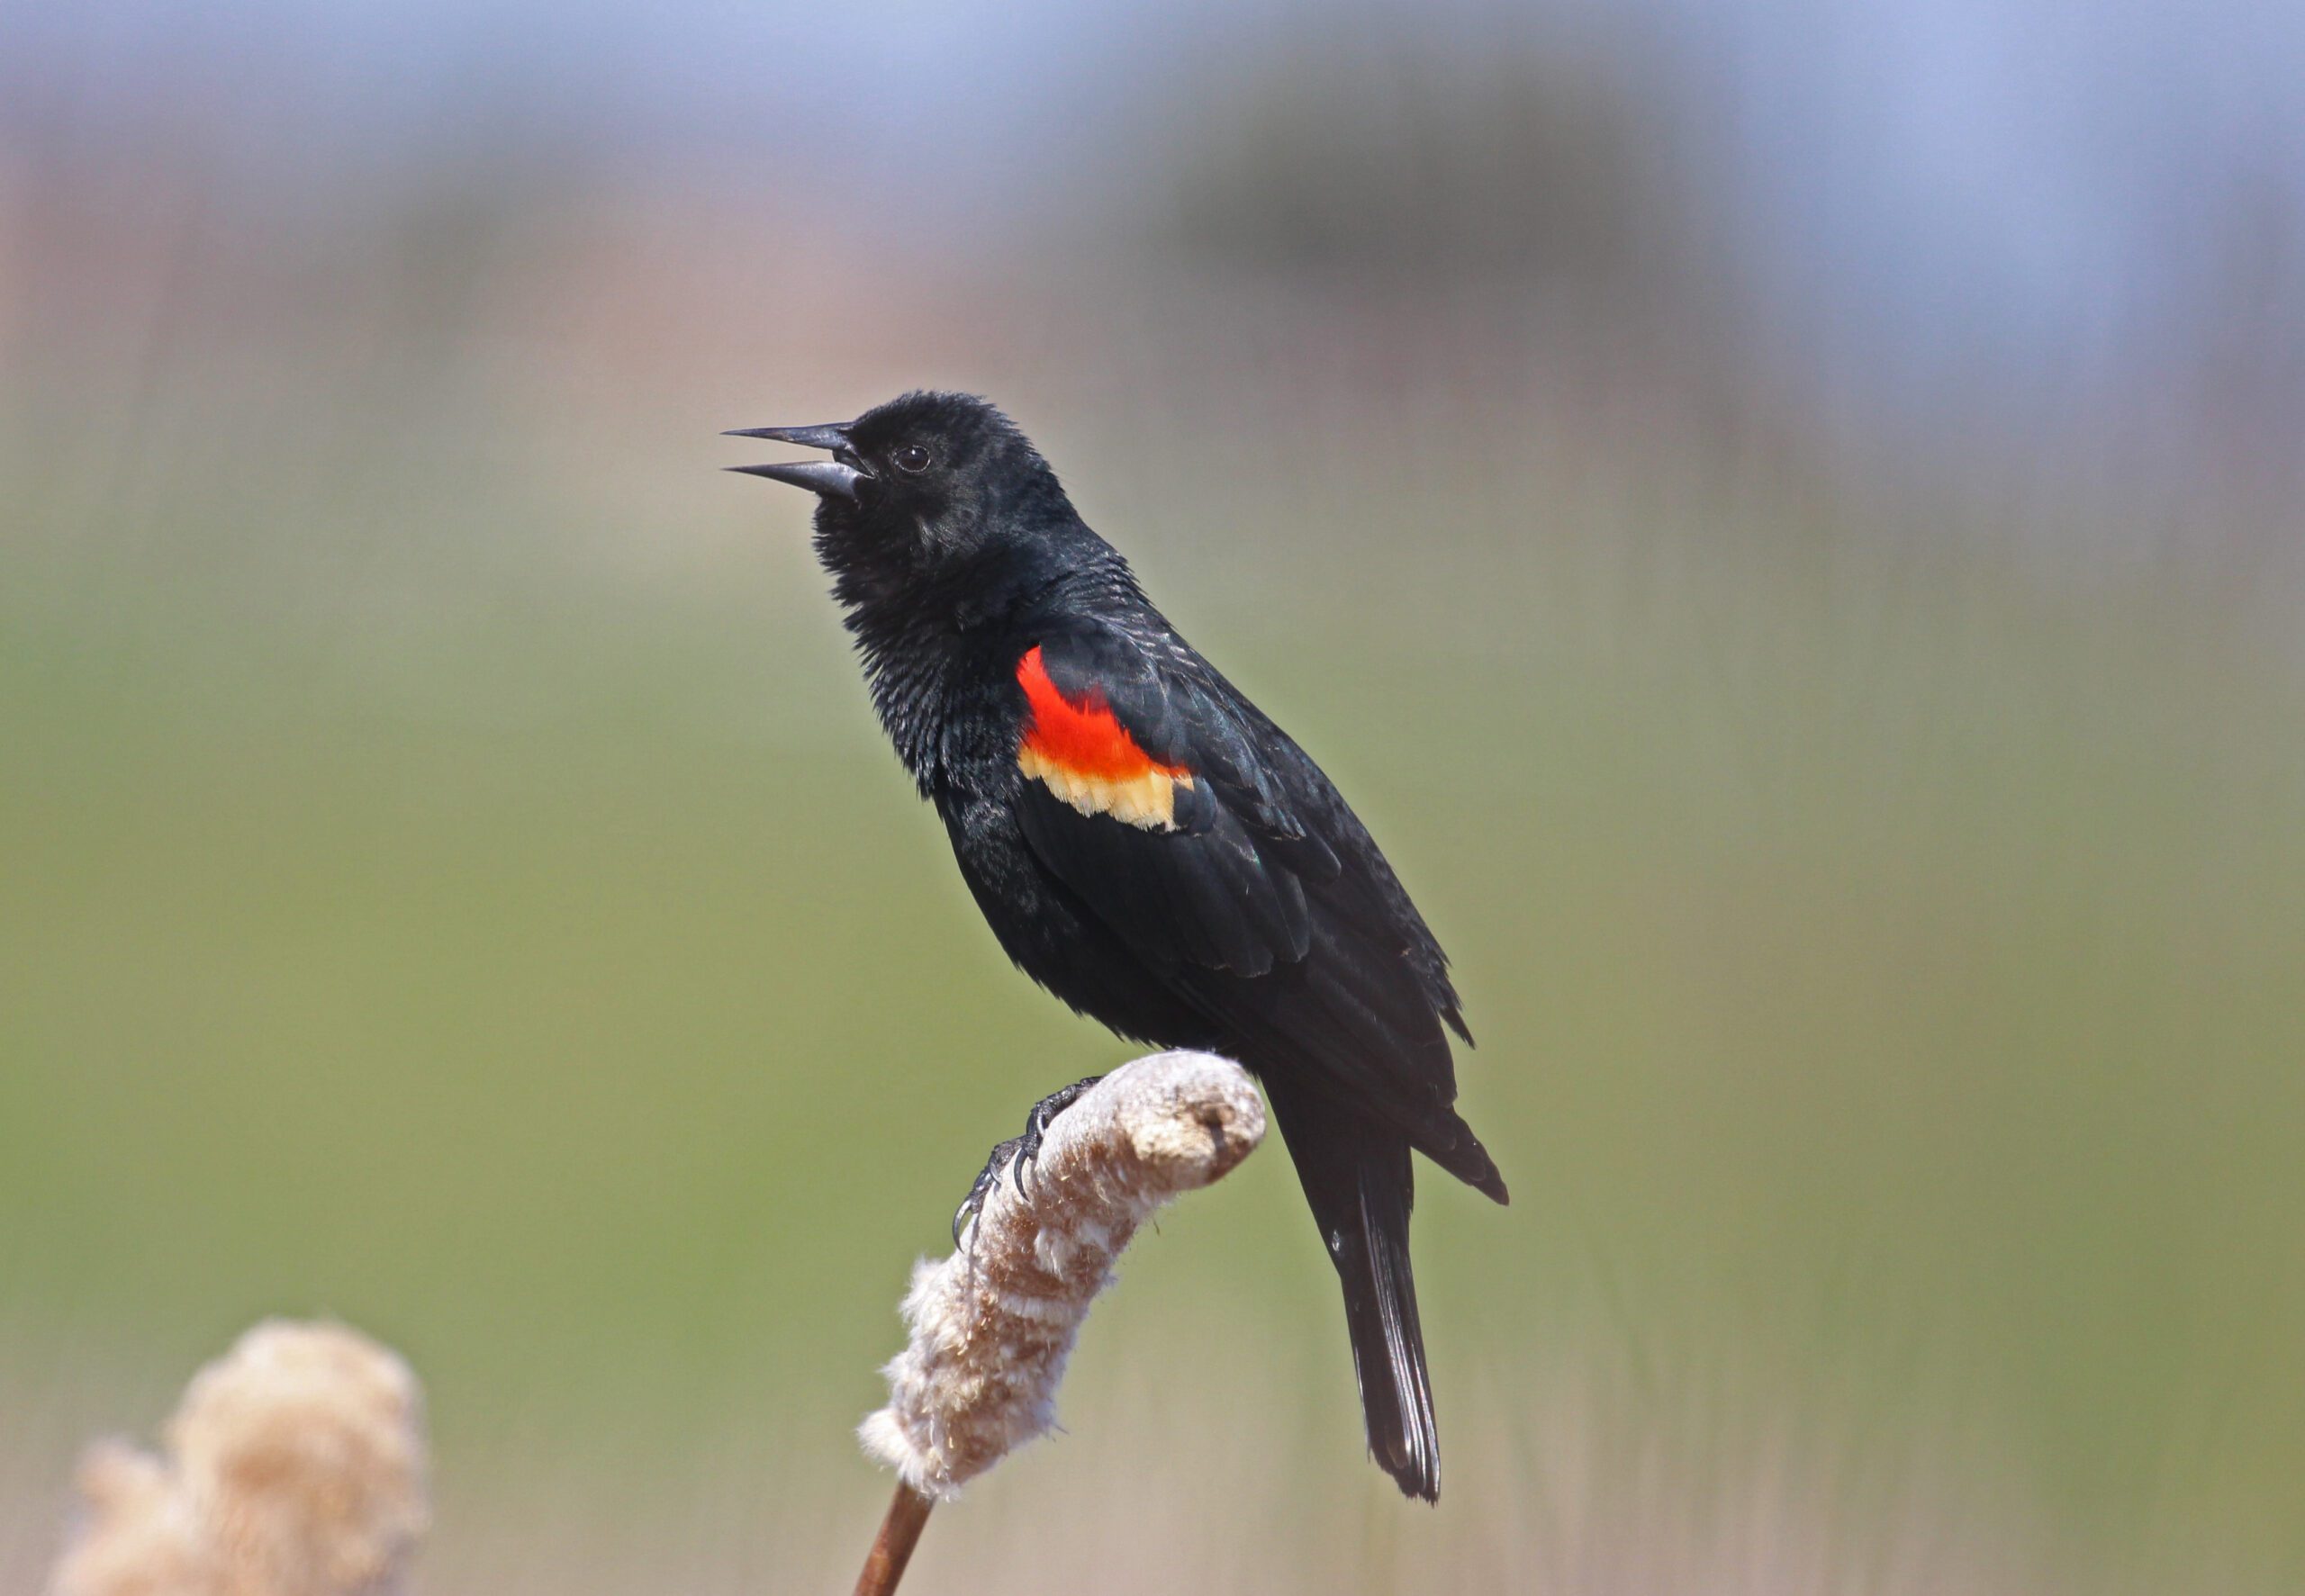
1788, 523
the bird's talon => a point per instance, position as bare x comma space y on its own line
1027, 1166
982, 1187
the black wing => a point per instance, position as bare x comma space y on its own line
1259, 898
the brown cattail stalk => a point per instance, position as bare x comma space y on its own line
293, 1467
900, 1531
993, 1324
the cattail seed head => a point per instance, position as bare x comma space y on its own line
295, 1466
993, 1324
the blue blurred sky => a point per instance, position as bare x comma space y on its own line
1915, 186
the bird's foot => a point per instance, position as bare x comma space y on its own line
982, 1187
1019, 1155
1037, 1124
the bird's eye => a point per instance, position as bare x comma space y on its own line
910, 458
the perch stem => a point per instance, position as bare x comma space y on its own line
892, 1547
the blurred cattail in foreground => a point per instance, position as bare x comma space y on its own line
293, 1467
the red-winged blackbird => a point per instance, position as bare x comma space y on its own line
1146, 843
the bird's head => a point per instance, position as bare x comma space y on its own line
919, 485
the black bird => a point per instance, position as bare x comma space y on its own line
1146, 843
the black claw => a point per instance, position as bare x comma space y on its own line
1021, 1154
982, 1187
1037, 1124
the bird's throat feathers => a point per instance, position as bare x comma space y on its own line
939, 635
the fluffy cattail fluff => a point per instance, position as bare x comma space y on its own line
295, 1466
993, 1325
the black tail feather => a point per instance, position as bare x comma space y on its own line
1387, 1342
1357, 1177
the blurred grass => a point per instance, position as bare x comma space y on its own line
449, 877
1885, 965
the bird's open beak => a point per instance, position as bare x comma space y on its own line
840, 474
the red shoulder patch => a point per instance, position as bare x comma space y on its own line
1085, 738
1081, 752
